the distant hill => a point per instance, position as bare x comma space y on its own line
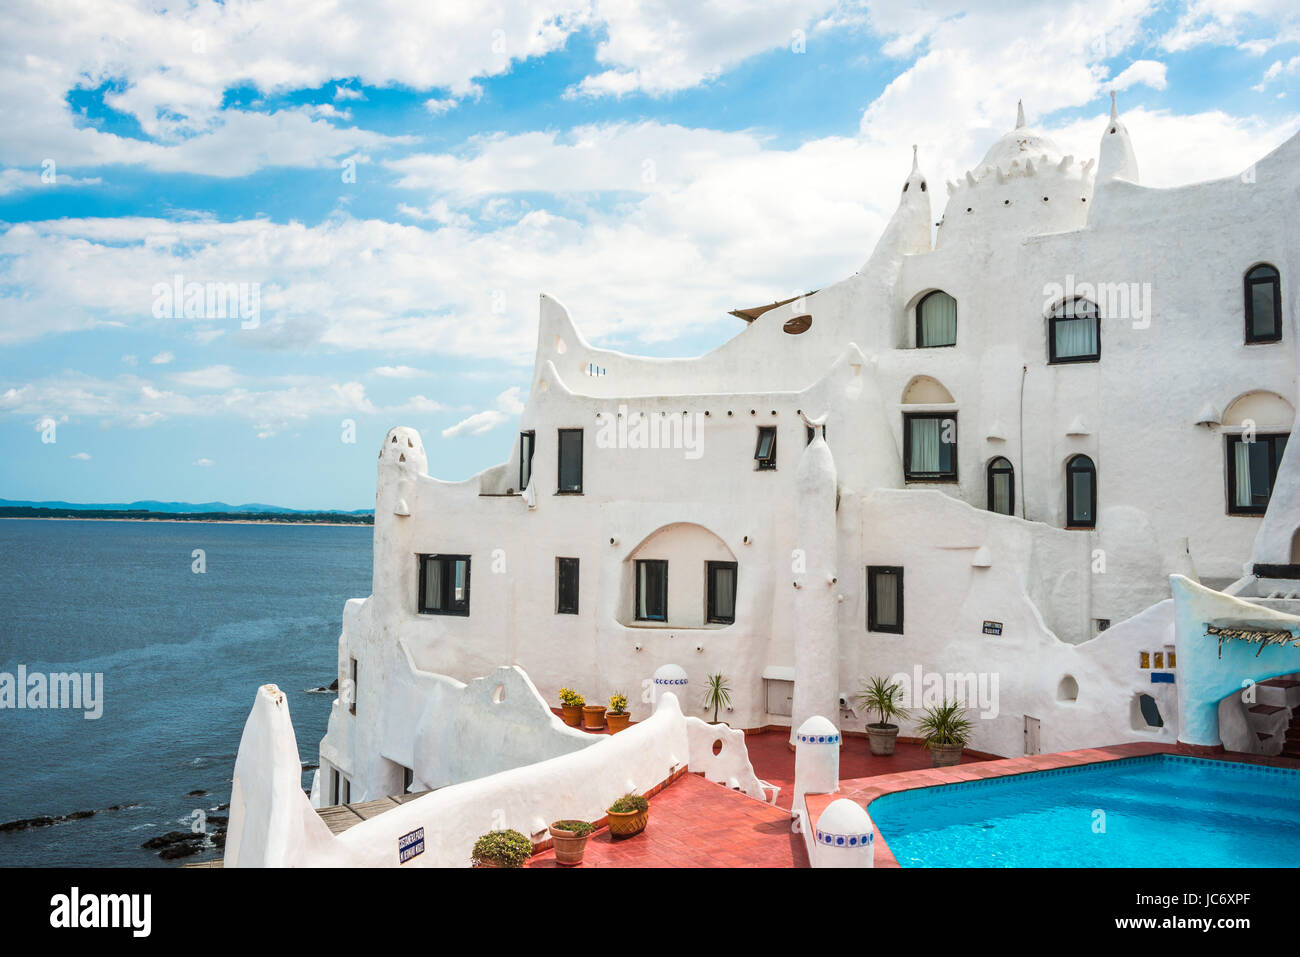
182, 508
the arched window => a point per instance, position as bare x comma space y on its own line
936, 320
1002, 487
1263, 304
1074, 333
1080, 493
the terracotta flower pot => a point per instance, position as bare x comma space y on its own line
628, 823
617, 722
569, 847
945, 755
572, 714
883, 738
593, 717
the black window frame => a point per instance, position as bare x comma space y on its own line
910, 476
636, 573
526, 462
559, 462
354, 672
710, 608
563, 606
1053, 319
873, 622
765, 463
1249, 280
456, 609
920, 303
1069, 491
1009, 471
1274, 462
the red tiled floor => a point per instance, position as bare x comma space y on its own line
694, 823
774, 762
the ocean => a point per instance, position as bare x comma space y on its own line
182, 654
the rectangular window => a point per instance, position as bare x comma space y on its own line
352, 691
347, 791
570, 479
765, 451
722, 592
930, 446
885, 598
1075, 333
1252, 470
408, 778
527, 442
444, 585
334, 786
566, 586
652, 590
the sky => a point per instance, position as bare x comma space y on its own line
382, 190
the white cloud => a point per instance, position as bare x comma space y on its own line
508, 405
399, 372
1141, 73
203, 463
438, 107
81, 456
348, 93
162, 358
209, 378
15, 180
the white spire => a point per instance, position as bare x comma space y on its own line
915, 167
1114, 109
1020, 114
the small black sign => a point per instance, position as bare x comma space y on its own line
992, 627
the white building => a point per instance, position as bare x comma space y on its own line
970, 458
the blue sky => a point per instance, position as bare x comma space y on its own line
651, 165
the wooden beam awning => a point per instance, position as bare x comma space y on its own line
1260, 636
752, 313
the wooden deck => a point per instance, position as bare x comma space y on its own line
339, 817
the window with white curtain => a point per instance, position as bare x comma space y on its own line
1002, 487
721, 592
444, 585
1074, 333
652, 590
885, 598
1252, 471
936, 320
930, 446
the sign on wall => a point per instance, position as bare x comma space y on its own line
409, 845
992, 627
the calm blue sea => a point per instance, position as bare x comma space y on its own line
182, 655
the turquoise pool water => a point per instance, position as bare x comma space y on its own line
1156, 811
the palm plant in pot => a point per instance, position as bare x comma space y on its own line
570, 839
717, 694
885, 698
502, 849
945, 730
628, 815
617, 717
571, 704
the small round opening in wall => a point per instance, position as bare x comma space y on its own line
717, 747
797, 326
499, 695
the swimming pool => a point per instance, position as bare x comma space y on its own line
1155, 811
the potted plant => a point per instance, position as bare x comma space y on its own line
502, 849
945, 729
617, 717
570, 839
628, 815
717, 694
571, 704
885, 698
593, 716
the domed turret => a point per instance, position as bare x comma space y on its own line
1116, 159
910, 225
1020, 146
